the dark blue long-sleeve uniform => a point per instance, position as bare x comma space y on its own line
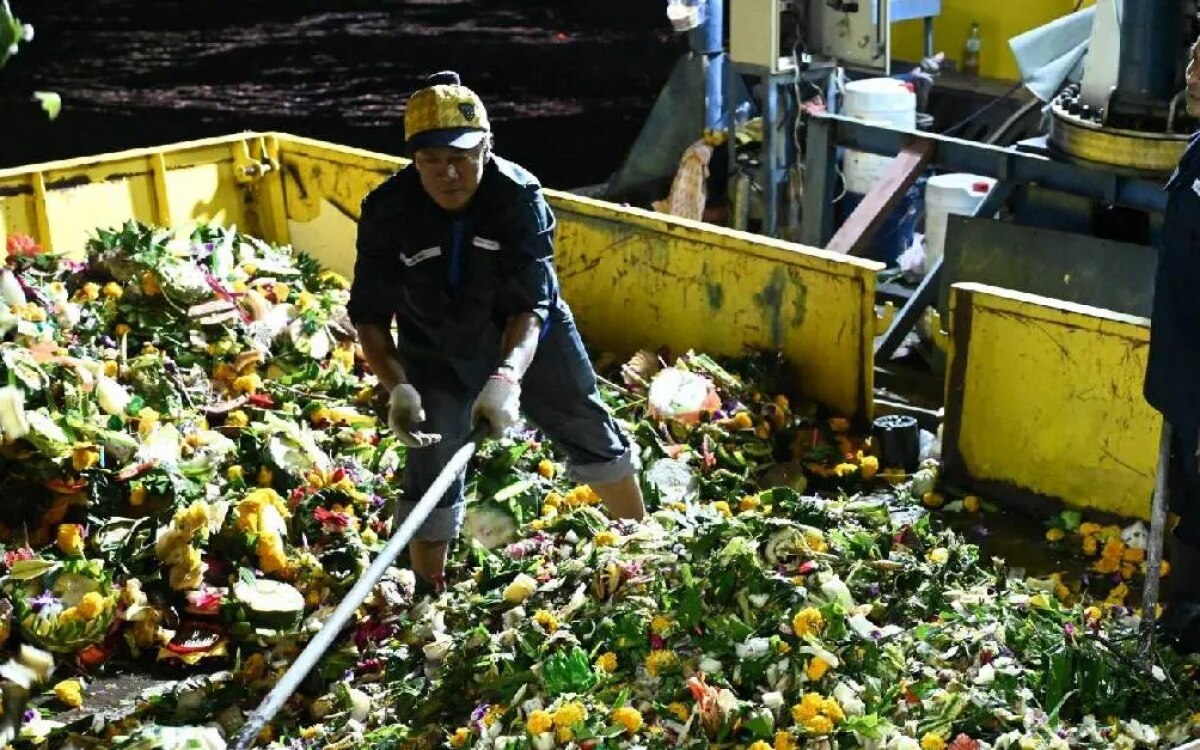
451, 281
1173, 374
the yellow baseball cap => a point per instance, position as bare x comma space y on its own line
445, 113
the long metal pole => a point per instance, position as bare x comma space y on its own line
333, 627
1158, 530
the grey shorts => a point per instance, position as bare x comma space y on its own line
559, 396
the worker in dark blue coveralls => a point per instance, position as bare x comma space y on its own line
1173, 377
456, 250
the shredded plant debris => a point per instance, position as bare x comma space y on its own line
195, 474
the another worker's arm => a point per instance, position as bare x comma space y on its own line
528, 287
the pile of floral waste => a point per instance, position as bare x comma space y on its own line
198, 476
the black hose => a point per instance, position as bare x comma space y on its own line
981, 111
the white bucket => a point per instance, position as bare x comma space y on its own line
949, 194
885, 101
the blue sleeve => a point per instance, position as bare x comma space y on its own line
372, 293
528, 282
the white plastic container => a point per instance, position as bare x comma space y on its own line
885, 101
949, 194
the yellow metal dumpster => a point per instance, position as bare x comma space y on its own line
635, 279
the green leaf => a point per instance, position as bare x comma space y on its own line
27, 570
869, 725
568, 672
51, 103
514, 490
691, 606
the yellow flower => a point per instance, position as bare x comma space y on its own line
605, 539
1117, 596
971, 504
1089, 529
607, 662
137, 494
265, 476
539, 721
938, 555
784, 647
564, 735
334, 279
461, 737
247, 383
84, 457
818, 725
932, 741
722, 507
679, 711
808, 621
660, 624
69, 692
845, 470
569, 714
783, 741
759, 745
1039, 601
113, 290
628, 717
659, 661
547, 620
833, 710
809, 707
1133, 555
817, 668
91, 605
89, 292
1090, 545
749, 503
520, 589
1053, 535
281, 291
305, 300
869, 465
741, 421
545, 468
271, 555
343, 357
815, 540
235, 473
933, 500
70, 539
581, 496
150, 285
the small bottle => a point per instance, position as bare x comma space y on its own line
974, 45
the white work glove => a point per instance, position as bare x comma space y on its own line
404, 414
498, 404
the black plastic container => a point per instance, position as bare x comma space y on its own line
899, 441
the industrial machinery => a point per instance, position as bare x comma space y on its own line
776, 55
1129, 110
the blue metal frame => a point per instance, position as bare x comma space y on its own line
827, 132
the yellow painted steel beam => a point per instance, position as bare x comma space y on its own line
1044, 402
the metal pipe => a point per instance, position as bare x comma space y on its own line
1151, 51
317, 647
714, 73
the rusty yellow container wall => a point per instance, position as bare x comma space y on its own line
60, 203
1044, 399
635, 279
639, 279
998, 22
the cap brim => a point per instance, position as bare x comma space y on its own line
447, 138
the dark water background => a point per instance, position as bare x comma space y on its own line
568, 84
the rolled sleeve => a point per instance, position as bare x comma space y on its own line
528, 282
372, 293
